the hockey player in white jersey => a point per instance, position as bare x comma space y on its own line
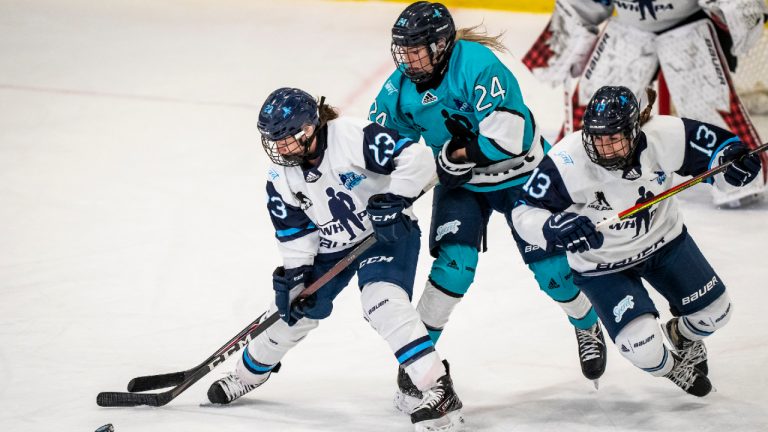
695, 43
335, 181
618, 159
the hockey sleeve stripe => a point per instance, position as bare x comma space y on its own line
291, 231
414, 350
253, 366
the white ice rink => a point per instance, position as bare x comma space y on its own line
134, 239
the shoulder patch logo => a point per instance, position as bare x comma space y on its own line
390, 88
660, 177
600, 203
428, 98
567, 159
349, 179
272, 174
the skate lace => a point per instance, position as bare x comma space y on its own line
589, 343
683, 374
233, 387
694, 351
432, 398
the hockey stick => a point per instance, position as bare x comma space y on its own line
184, 379
674, 190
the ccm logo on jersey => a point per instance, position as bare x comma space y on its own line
700, 293
374, 260
379, 218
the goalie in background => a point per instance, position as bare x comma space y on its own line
694, 43
622, 154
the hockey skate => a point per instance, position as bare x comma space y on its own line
592, 353
408, 396
693, 351
231, 387
439, 410
688, 377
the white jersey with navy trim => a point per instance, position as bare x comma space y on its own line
322, 209
567, 180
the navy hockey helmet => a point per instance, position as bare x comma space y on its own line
611, 127
422, 40
282, 121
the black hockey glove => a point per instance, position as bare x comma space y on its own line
288, 284
744, 169
386, 214
450, 173
574, 232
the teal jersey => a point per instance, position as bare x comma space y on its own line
479, 97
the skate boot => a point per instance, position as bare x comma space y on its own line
592, 354
408, 396
694, 351
439, 410
688, 377
231, 388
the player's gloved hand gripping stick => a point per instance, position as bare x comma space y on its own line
182, 380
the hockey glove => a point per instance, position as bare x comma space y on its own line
288, 284
574, 232
744, 169
452, 174
386, 214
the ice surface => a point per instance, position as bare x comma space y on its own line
133, 236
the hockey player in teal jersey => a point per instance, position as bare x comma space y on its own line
451, 90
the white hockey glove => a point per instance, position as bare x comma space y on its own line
744, 18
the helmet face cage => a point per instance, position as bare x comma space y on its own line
422, 39
291, 143
625, 151
282, 119
612, 112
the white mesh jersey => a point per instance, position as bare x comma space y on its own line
567, 180
322, 208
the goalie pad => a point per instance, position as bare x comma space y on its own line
622, 56
744, 19
563, 47
701, 88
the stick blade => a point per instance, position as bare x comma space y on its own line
154, 382
120, 399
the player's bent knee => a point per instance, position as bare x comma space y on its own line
642, 343
703, 323
454, 268
387, 308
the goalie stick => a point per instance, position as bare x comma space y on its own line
674, 190
182, 380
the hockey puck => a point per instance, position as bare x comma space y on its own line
106, 428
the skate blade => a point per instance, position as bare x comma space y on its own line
596, 383
451, 422
404, 403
